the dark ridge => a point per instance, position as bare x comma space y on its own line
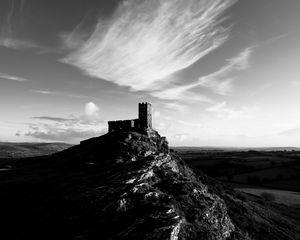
128, 185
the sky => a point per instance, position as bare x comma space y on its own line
217, 72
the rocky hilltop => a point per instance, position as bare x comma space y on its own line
130, 186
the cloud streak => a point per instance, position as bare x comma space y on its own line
68, 135
55, 119
72, 129
220, 82
146, 41
63, 94
180, 93
12, 78
10, 42
91, 116
291, 132
223, 111
9, 24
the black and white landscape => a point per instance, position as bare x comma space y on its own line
150, 119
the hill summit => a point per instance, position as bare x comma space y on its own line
129, 185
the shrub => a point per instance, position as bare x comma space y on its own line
268, 196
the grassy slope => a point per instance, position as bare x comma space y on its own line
20, 150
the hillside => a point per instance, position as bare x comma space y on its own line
21, 150
274, 169
129, 186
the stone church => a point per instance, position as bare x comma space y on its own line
142, 124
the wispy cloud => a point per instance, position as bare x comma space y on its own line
8, 35
290, 132
55, 119
10, 42
217, 107
181, 93
295, 83
147, 41
176, 106
12, 78
43, 92
72, 129
63, 94
220, 82
91, 116
272, 40
76, 38
22, 5
222, 110
67, 135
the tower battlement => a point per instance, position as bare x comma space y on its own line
145, 114
142, 124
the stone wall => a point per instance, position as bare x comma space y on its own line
142, 124
123, 125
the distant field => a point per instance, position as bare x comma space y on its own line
20, 150
262, 161
281, 196
291, 184
276, 168
269, 174
234, 149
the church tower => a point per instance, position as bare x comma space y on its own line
145, 115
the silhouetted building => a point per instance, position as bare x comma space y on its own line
141, 124
145, 115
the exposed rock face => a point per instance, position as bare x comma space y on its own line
166, 201
157, 196
129, 186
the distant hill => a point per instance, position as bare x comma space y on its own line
21, 150
232, 149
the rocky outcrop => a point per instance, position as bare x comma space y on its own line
128, 185
166, 199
